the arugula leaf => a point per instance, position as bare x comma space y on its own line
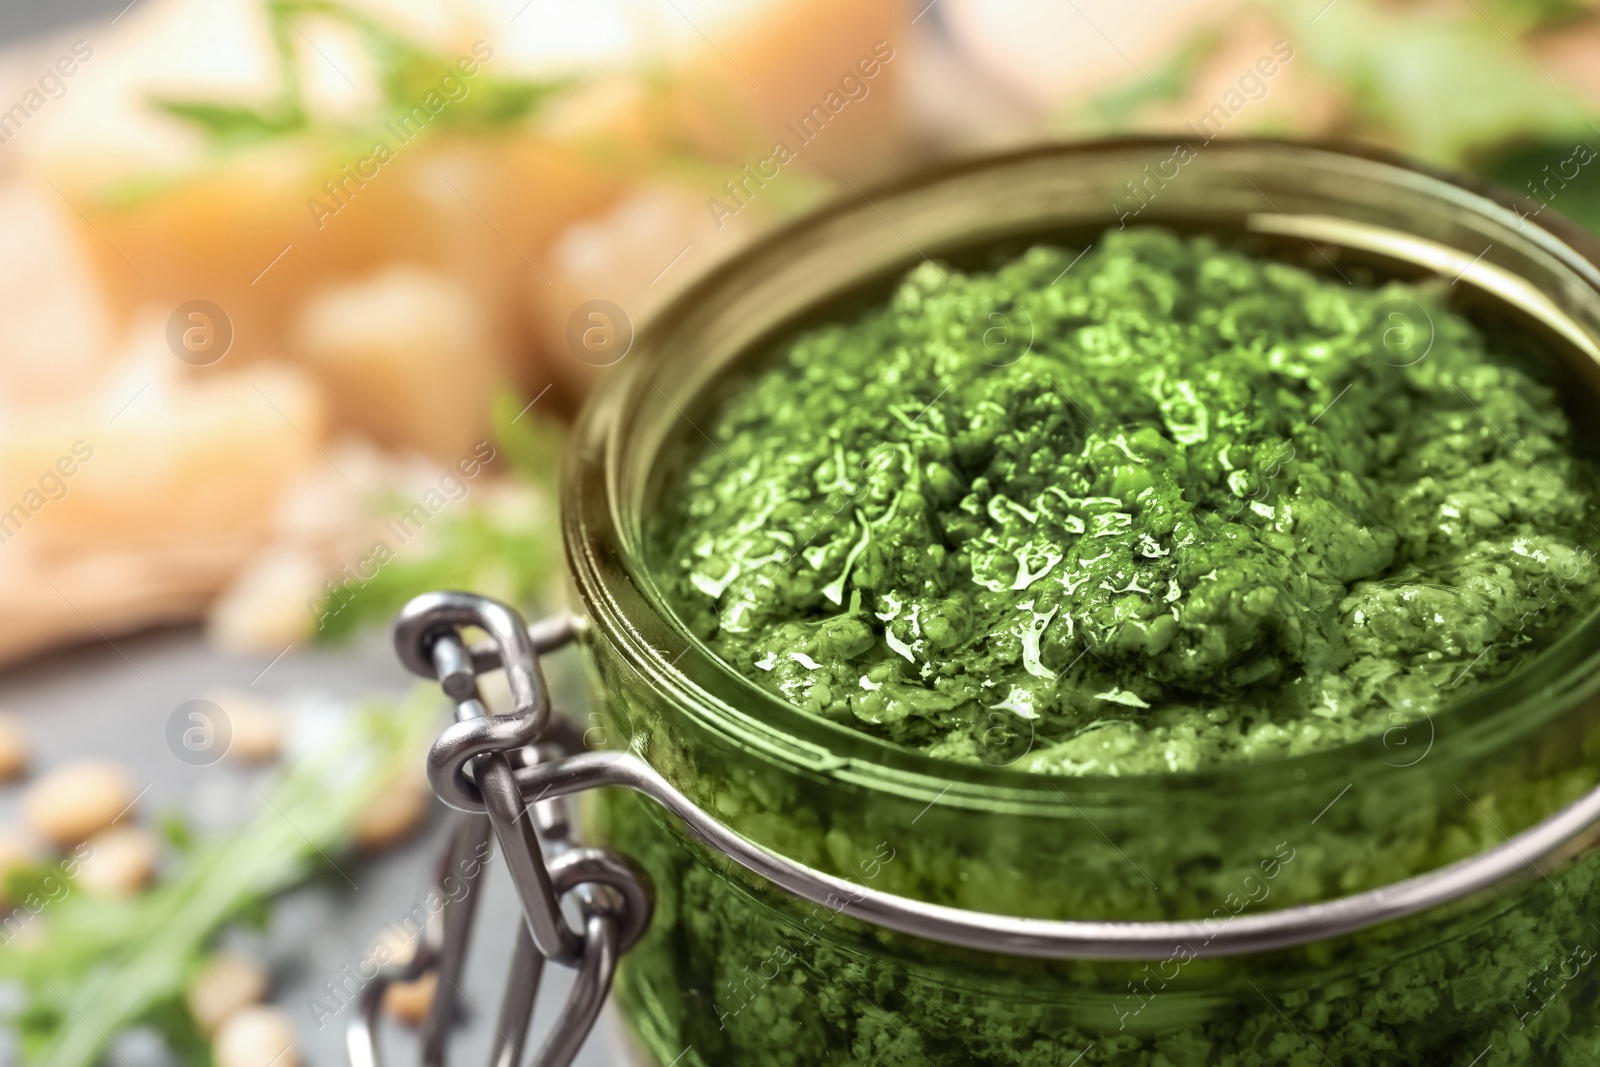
97, 966
498, 102
474, 546
232, 125
473, 551
171, 1018
407, 73
533, 448
1116, 109
1527, 15
1440, 83
1444, 85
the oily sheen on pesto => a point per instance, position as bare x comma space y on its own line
1161, 507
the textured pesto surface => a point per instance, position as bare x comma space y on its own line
1163, 507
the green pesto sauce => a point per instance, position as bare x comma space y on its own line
1160, 507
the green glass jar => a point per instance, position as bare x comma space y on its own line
735, 971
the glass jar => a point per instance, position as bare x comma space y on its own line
734, 971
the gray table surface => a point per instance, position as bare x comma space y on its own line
113, 702
25, 18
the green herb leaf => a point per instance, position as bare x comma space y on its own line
232, 125
478, 545
408, 75
95, 967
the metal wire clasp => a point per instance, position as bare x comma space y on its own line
473, 767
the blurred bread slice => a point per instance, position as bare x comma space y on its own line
636, 256
134, 503
408, 354
166, 219
795, 56
52, 302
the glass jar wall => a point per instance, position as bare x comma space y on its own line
734, 972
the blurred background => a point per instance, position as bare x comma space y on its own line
296, 300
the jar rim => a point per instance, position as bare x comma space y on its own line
619, 596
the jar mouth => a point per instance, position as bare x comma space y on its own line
1404, 220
